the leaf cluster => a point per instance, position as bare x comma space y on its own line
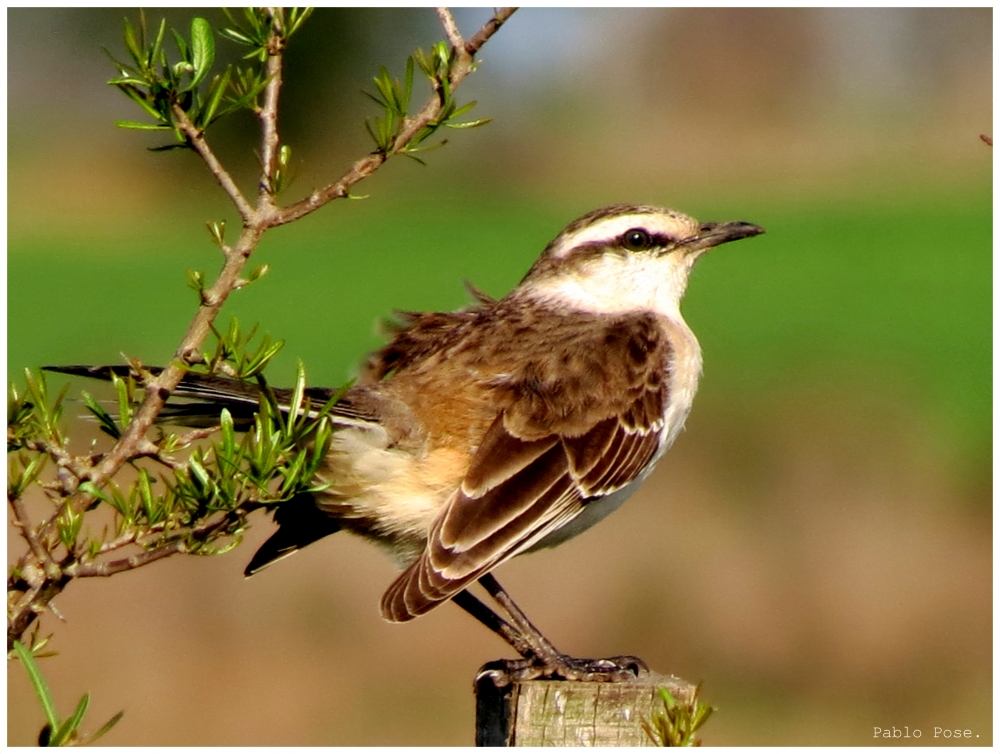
393, 96
677, 723
195, 502
275, 460
253, 30
32, 423
160, 87
127, 403
234, 355
31, 413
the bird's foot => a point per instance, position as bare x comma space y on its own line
622, 669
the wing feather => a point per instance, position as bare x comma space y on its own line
473, 520
629, 453
586, 451
426, 587
502, 456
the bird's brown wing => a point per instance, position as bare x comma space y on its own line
523, 485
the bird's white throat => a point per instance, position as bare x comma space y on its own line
615, 284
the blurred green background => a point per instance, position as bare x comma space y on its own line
817, 546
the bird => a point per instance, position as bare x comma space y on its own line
508, 426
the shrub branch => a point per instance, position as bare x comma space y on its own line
211, 491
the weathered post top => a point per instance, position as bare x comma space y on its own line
572, 713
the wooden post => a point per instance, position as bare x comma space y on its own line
571, 713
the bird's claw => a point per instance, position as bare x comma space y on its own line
621, 669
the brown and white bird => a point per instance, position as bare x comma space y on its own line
513, 425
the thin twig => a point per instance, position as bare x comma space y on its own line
196, 434
134, 536
451, 29
129, 538
411, 126
269, 117
198, 143
111, 567
490, 28
77, 465
42, 555
174, 547
161, 458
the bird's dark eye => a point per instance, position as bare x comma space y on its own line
636, 239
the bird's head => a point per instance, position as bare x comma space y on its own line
626, 258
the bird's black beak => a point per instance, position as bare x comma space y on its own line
714, 234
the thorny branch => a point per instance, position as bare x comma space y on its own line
40, 575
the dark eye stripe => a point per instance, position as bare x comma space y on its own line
596, 248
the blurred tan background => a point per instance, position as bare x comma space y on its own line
816, 548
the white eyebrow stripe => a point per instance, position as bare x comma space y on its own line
609, 228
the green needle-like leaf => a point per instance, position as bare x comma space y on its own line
217, 231
140, 99
144, 484
408, 90
677, 724
181, 44
228, 435
125, 78
38, 681
463, 109
140, 126
16, 485
234, 36
108, 425
107, 726
156, 49
131, 44
469, 124
196, 281
62, 734
216, 91
292, 475
296, 17
124, 400
68, 525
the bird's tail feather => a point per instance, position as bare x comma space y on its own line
205, 395
300, 523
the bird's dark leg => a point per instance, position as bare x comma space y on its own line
541, 660
468, 602
542, 646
